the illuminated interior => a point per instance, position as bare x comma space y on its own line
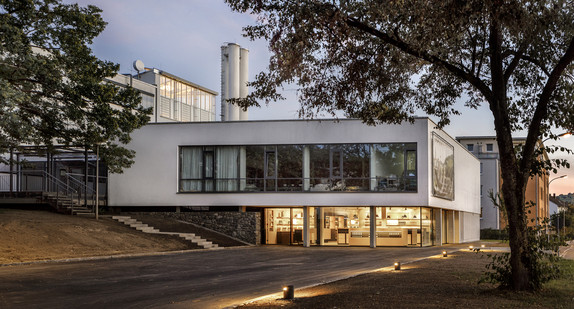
350, 226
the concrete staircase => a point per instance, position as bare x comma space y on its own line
151, 230
66, 204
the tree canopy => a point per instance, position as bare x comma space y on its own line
51, 85
381, 61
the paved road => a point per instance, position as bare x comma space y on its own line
203, 279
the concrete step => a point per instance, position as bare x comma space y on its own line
133, 223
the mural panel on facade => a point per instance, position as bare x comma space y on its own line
442, 168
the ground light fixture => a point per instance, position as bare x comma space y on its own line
444, 254
470, 248
288, 292
482, 246
397, 265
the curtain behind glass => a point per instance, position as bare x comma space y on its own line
226, 169
190, 175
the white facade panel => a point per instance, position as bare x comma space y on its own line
466, 177
470, 227
153, 179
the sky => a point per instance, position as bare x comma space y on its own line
184, 37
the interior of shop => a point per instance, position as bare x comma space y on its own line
350, 226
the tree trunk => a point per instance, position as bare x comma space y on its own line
513, 190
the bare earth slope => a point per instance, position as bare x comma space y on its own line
32, 235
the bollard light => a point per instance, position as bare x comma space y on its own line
288, 292
482, 246
444, 254
397, 265
470, 248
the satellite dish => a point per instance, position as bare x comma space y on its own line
139, 65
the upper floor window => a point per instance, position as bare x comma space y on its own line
343, 167
489, 147
470, 147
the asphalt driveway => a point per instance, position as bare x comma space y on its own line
200, 279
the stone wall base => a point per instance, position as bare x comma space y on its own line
241, 225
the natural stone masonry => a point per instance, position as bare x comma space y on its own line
241, 225
149, 229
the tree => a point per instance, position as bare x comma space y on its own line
380, 61
51, 85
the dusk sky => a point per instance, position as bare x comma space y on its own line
183, 37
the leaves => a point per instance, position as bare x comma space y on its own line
52, 89
382, 61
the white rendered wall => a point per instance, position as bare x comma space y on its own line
470, 226
466, 177
153, 179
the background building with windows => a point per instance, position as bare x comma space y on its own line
313, 182
485, 149
172, 99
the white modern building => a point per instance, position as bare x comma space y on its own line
315, 182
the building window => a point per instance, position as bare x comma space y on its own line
183, 102
470, 147
489, 147
481, 168
287, 168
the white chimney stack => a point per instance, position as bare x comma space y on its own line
234, 75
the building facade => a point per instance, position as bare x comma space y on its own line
485, 149
171, 98
315, 182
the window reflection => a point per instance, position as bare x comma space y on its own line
317, 168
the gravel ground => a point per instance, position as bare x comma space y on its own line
437, 282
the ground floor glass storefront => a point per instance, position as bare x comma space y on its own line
350, 226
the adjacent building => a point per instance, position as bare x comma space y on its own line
485, 149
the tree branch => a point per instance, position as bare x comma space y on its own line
514, 63
474, 80
541, 111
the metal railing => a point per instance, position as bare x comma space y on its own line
40, 181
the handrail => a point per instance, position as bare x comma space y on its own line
59, 182
83, 186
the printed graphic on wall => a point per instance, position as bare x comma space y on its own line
442, 168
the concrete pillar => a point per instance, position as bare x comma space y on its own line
437, 214
306, 231
306, 168
373, 169
177, 209
450, 225
242, 168
321, 226
373, 227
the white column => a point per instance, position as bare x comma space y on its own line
242, 168
373, 227
321, 227
306, 168
306, 232
437, 212
373, 169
